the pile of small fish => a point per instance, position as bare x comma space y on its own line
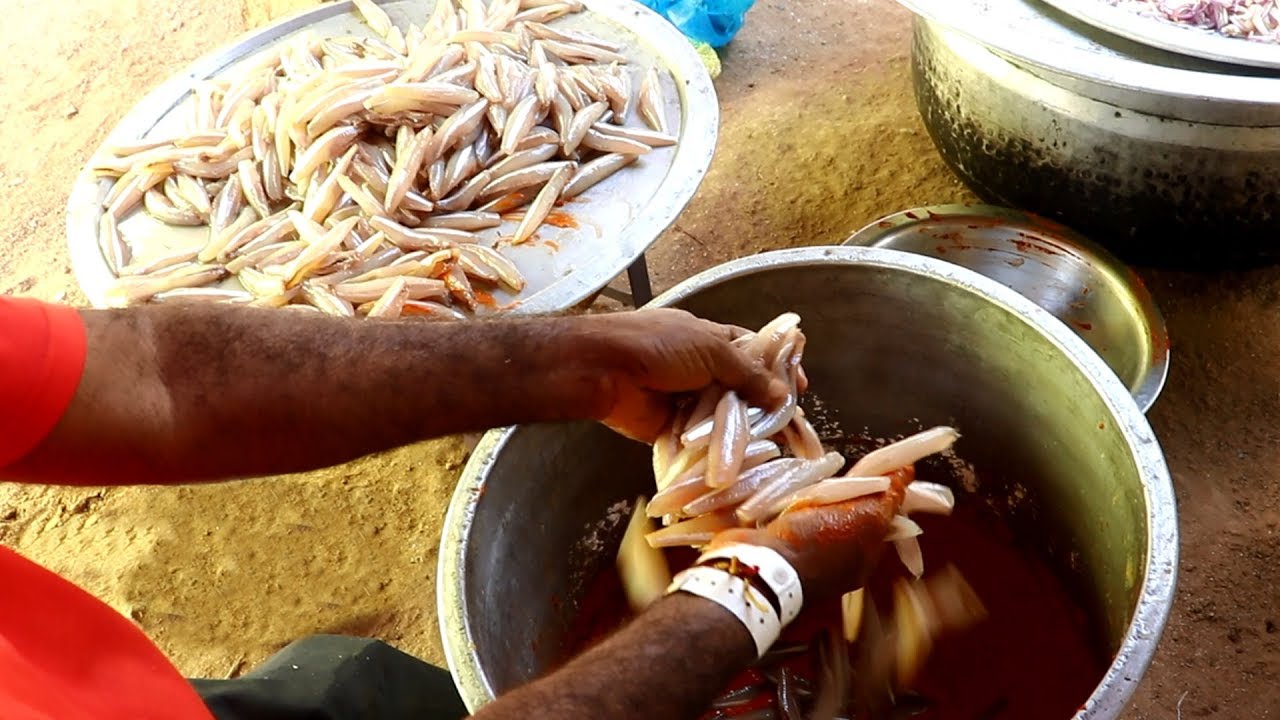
723, 464
1251, 19
720, 465
351, 175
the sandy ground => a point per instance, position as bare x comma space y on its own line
819, 137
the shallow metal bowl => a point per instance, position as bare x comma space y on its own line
895, 341
1081, 284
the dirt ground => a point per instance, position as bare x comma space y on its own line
819, 137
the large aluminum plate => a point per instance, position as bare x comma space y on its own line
616, 220
1171, 36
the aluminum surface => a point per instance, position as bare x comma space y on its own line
1101, 66
1093, 293
1168, 35
1148, 188
894, 339
617, 220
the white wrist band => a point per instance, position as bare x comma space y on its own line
771, 568
738, 597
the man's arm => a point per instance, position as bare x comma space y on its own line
671, 662
175, 394
678, 655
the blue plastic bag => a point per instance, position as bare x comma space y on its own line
714, 22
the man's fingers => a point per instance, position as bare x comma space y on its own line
737, 371
639, 414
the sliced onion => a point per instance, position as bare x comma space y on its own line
901, 528
911, 628
851, 614
927, 497
909, 553
643, 569
696, 531
905, 452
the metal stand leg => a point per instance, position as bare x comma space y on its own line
638, 278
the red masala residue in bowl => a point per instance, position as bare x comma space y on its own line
1031, 658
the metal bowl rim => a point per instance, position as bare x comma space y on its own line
1152, 381
1155, 599
689, 165
982, 23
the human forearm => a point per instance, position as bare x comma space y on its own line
201, 392
669, 663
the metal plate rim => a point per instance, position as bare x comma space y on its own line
692, 157
1021, 38
1167, 35
1150, 383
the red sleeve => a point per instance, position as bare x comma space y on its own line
42, 349
66, 656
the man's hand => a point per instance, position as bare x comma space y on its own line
832, 547
647, 355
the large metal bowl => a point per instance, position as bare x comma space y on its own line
895, 340
1162, 160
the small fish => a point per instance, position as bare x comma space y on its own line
523, 117
525, 177
114, 248
218, 242
423, 149
468, 193
430, 310
597, 140
651, 104
132, 290
582, 121
160, 207
327, 147
390, 305
647, 137
251, 186
593, 172
374, 16
437, 238
728, 441
460, 288
194, 194
542, 204
524, 159
466, 220
460, 124
417, 289
191, 294
326, 300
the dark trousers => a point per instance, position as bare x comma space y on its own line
331, 677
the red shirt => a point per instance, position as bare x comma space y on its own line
63, 654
